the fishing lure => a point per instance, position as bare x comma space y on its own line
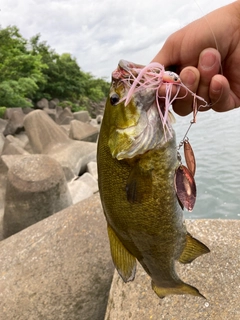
154, 76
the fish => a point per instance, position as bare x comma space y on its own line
137, 162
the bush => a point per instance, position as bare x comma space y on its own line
2, 112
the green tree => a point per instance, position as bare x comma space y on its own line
33, 70
64, 78
20, 71
96, 89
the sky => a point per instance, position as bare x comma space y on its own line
100, 33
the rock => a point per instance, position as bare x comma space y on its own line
65, 128
99, 119
10, 160
12, 139
66, 121
3, 179
27, 110
96, 108
59, 109
9, 111
47, 137
92, 169
15, 123
36, 188
3, 124
83, 131
2, 141
42, 104
51, 113
79, 190
53, 103
74, 156
22, 136
13, 145
65, 117
90, 181
216, 275
94, 123
43, 133
59, 268
82, 116
14, 149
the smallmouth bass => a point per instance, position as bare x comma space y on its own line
137, 160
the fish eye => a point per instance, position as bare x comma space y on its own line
176, 78
114, 99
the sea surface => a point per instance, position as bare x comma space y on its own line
215, 140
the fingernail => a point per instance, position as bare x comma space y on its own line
216, 86
207, 60
189, 78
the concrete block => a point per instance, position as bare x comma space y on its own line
90, 181
216, 275
83, 131
59, 268
36, 188
92, 169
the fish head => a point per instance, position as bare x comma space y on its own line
133, 122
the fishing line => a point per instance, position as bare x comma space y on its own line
185, 138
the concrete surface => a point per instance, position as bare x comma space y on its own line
216, 275
59, 268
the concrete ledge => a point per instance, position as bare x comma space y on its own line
216, 275
59, 268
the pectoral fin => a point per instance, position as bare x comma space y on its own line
139, 185
193, 249
124, 261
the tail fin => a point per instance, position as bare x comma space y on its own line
180, 288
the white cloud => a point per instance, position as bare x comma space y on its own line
100, 33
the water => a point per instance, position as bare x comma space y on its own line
215, 139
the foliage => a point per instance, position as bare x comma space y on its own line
13, 93
20, 71
31, 70
2, 111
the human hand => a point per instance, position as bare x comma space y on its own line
212, 74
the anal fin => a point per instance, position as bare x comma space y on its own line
124, 261
193, 249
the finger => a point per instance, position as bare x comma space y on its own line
190, 77
208, 66
223, 99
